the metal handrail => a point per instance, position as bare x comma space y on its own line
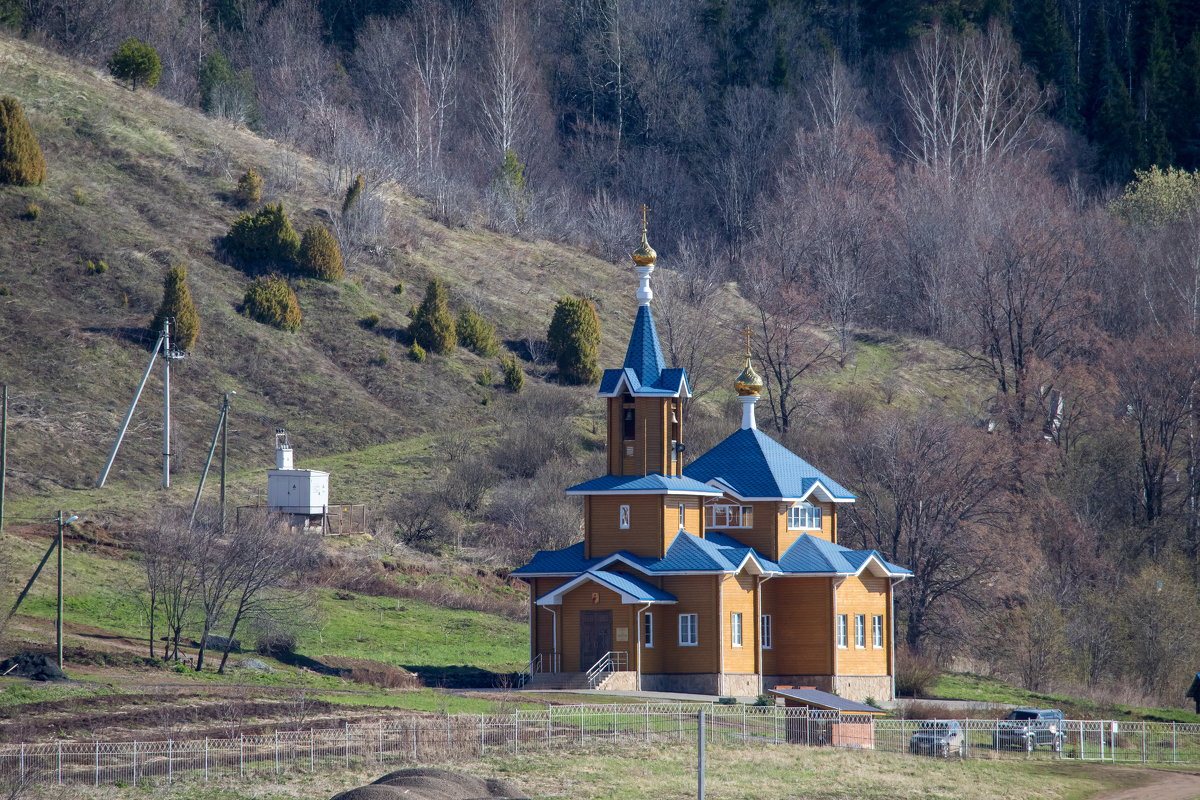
612, 661
532, 668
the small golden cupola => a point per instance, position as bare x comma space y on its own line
644, 256
749, 386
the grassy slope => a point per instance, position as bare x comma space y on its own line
142, 183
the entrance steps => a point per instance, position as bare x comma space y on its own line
613, 681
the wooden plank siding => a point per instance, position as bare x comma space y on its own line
692, 522
697, 594
801, 612
737, 596
649, 450
543, 625
590, 596
828, 531
604, 536
866, 595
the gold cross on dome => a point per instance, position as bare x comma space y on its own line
747, 333
645, 210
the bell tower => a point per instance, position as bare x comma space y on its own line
645, 399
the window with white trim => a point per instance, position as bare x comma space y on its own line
804, 516
722, 515
623, 518
735, 628
765, 625
688, 632
841, 630
682, 516
648, 629
877, 630
860, 630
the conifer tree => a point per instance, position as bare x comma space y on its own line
264, 238
177, 305
320, 255
271, 301
353, 193
476, 334
432, 326
137, 63
249, 188
574, 338
21, 160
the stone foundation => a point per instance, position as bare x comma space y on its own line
623, 681
822, 682
739, 685
700, 683
860, 687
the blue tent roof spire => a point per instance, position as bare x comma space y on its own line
644, 355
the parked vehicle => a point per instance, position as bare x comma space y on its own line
1029, 728
938, 737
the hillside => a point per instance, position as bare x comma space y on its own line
141, 183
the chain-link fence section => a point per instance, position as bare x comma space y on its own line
444, 739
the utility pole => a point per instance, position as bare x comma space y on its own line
208, 462
224, 453
3, 452
166, 351
129, 414
58, 624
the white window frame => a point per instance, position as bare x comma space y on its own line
735, 628
860, 630
648, 629
682, 516
689, 630
765, 631
841, 631
804, 516
744, 516
877, 631
623, 518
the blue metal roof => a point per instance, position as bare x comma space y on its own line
652, 483
717, 552
634, 589
812, 555
755, 465
644, 355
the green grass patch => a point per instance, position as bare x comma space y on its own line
18, 691
430, 700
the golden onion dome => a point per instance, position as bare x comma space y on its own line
644, 256
748, 383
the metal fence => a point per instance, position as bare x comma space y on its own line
1084, 740
402, 741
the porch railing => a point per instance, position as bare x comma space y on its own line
610, 662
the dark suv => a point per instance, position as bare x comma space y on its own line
938, 737
1028, 728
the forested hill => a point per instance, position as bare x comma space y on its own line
966, 235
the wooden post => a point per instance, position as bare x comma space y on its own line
700, 755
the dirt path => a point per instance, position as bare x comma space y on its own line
1163, 785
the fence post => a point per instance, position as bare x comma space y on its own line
97, 763
1144, 724
581, 724
414, 724
241, 754
482, 743
381, 741
744, 732
60, 763
22, 762
700, 754
135, 766
276, 752
170, 760
206, 758
646, 729
1174, 731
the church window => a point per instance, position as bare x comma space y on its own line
735, 628
860, 630
841, 630
623, 518
877, 630
728, 516
804, 516
648, 629
688, 630
766, 631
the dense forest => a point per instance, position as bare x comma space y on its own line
1010, 180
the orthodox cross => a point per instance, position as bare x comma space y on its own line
747, 333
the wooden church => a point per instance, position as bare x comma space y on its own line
720, 577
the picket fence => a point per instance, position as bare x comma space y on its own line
433, 739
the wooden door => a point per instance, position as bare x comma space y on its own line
595, 637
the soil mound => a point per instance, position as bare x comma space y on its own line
35, 666
432, 784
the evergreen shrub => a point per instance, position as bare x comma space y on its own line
136, 63
21, 160
514, 376
432, 327
177, 305
574, 339
477, 334
263, 239
271, 301
249, 188
32, 212
417, 353
320, 255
